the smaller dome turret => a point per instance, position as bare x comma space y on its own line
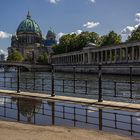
50, 38
50, 34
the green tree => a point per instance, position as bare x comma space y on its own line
135, 35
57, 49
111, 38
86, 37
43, 58
15, 56
73, 42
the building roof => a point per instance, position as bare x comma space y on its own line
29, 26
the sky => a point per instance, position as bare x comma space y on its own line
69, 16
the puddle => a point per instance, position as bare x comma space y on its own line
48, 112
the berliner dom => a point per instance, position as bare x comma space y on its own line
29, 40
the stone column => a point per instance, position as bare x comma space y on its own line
133, 53
120, 54
83, 58
139, 54
126, 54
97, 57
89, 58
70, 59
93, 53
115, 55
110, 56
106, 56
101, 56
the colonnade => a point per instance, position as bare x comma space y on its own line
105, 55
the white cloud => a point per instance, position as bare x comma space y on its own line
4, 35
91, 24
77, 32
128, 30
3, 52
54, 1
136, 26
137, 17
59, 35
93, 1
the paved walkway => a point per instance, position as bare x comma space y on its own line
18, 131
121, 105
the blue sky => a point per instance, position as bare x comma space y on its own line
67, 16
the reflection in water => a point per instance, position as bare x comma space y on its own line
100, 119
27, 107
49, 112
52, 104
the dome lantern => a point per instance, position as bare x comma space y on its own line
28, 15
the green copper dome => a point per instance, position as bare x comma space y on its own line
50, 34
29, 26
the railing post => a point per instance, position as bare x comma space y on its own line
43, 84
115, 87
74, 79
131, 96
63, 85
18, 78
86, 88
4, 78
100, 99
52, 79
34, 79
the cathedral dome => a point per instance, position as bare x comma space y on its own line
29, 26
50, 34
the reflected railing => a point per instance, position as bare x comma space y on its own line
48, 112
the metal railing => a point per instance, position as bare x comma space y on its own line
99, 87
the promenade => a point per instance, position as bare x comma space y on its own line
18, 131
120, 105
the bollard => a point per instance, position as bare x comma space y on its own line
100, 83
18, 78
52, 79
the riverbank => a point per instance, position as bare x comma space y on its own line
19, 131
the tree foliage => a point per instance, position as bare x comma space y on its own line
73, 42
43, 58
15, 56
111, 38
135, 35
